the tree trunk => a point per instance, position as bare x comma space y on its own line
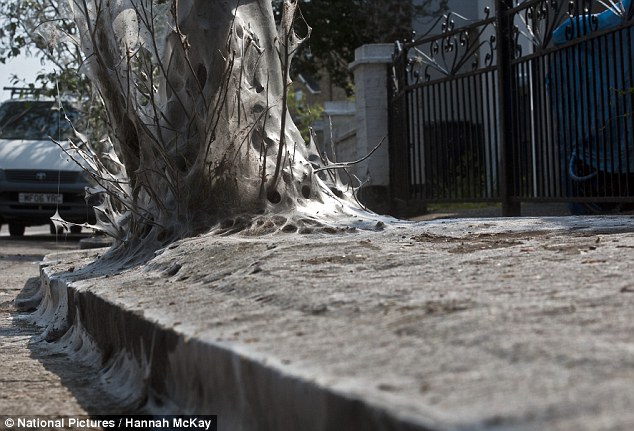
195, 92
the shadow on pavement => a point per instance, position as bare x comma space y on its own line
81, 381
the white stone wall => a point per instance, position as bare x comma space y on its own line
339, 132
370, 77
338, 120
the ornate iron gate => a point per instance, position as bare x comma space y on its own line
532, 103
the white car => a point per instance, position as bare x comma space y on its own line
37, 178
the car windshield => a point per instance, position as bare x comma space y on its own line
35, 120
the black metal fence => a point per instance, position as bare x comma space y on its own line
535, 102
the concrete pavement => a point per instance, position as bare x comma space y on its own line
32, 380
487, 324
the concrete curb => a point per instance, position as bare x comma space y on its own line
163, 371
169, 367
95, 241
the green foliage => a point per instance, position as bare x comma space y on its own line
341, 26
45, 29
304, 115
39, 28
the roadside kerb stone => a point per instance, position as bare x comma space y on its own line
453, 324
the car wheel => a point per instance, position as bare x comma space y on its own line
75, 229
16, 229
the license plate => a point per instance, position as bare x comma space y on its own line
40, 198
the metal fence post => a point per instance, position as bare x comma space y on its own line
399, 133
504, 32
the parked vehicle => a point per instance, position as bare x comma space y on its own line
595, 129
37, 177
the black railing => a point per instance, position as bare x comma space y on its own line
534, 102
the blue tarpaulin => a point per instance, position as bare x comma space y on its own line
591, 92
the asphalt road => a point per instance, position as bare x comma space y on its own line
33, 380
